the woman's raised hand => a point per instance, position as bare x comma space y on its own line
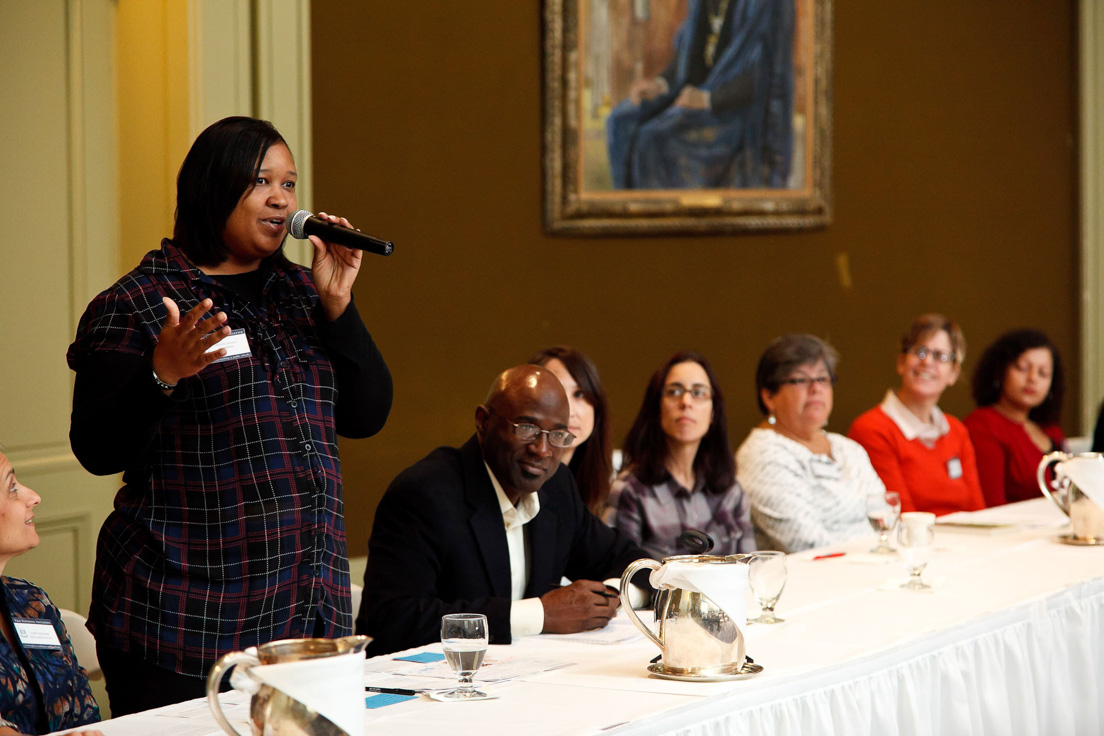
184, 341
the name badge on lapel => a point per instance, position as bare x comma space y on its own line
36, 633
236, 345
954, 468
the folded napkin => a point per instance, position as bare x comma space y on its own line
1088, 474
332, 686
686, 644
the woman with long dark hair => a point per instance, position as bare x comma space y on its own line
679, 469
589, 456
1018, 387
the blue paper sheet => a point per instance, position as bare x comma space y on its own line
379, 700
424, 657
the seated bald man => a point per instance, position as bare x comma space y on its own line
491, 527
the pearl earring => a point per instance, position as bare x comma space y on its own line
771, 420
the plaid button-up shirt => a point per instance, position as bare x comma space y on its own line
654, 516
229, 530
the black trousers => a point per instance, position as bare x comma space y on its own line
134, 685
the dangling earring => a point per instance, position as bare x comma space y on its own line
771, 420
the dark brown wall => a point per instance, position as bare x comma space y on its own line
954, 190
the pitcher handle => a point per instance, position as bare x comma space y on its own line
626, 579
1060, 500
214, 679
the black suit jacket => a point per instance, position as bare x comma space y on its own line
438, 546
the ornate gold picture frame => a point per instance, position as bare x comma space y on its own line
686, 116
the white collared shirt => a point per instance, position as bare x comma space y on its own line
526, 614
910, 425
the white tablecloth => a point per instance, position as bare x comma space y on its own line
1010, 641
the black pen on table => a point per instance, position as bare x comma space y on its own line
390, 690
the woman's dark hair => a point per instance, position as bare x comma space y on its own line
645, 450
592, 462
220, 168
783, 356
988, 380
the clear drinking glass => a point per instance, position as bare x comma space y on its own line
916, 535
767, 577
882, 511
464, 642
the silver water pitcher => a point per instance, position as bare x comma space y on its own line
697, 637
1078, 480
328, 666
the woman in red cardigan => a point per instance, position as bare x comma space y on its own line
1018, 387
918, 451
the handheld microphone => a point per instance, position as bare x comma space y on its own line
301, 223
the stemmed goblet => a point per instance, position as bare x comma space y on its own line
767, 577
464, 642
882, 511
916, 535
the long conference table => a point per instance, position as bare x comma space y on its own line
1010, 640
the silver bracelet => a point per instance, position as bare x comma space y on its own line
162, 384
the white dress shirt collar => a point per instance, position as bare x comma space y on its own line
910, 425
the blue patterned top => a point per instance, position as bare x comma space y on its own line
53, 694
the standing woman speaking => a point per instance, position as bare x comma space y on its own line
217, 376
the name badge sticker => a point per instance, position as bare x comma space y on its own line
35, 633
236, 345
954, 468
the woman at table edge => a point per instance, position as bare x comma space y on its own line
44, 687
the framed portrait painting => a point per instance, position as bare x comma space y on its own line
686, 116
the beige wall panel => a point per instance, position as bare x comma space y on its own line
1092, 209
221, 61
34, 244
284, 92
59, 138
95, 160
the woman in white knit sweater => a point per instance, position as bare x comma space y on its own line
807, 486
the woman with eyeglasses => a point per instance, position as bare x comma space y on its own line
807, 487
679, 470
920, 452
1018, 387
589, 456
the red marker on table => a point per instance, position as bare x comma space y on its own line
828, 557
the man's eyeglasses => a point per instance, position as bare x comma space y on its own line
698, 392
530, 432
805, 382
923, 351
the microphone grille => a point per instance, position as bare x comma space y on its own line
295, 223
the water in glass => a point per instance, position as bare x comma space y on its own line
464, 643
